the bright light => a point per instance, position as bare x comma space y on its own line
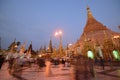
48, 48
70, 44
90, 54
58, 33
40, 55
116, 54
117, 36
16, 46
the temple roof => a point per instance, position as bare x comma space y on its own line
92, 24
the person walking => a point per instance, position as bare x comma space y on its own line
1, 61
10, 65
63, 62
91, 67
102, 63
17, 67
48, 71
40, 63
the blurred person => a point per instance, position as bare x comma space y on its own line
41, 63
102, 63
10, 65
1, 61
48, 71
17, 67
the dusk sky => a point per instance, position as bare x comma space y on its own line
37, 20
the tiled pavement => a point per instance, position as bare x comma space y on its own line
59, 74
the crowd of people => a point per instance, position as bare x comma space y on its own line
82, 65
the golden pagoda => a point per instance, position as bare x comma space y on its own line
98, 39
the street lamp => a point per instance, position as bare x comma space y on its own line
59, 34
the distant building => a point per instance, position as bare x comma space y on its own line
97, 40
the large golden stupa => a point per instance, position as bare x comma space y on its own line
98, 39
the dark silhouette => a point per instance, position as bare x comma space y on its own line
102, 63
96, 61
63, 62
41, 62
83, 68
1, 60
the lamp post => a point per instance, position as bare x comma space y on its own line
70, 50
0, 43
59, 34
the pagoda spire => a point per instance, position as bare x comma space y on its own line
92, 24
89, 13
22, 49
50, 46
12, 46
90, 18
30, 48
